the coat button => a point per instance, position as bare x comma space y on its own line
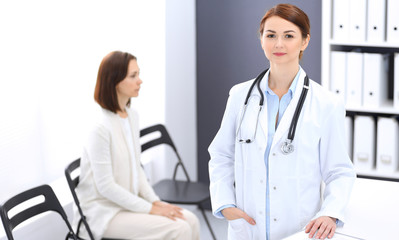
261, 181
260, 212
275, 219
274, 154
274, 188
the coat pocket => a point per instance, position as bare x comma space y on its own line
239, 229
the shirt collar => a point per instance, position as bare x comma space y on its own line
292, 88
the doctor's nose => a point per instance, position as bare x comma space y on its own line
279, 42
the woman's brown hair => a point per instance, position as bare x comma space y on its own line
113, 69
290, 13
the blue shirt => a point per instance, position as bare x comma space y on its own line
275, 106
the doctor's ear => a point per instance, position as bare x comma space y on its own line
305, 42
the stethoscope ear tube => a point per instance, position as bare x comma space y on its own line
256, 82
291, 132
287, 146
241, 118
238, 133
262, 96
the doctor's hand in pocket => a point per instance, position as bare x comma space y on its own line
321, 227
233, 213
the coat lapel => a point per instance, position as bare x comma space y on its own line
133, 119
119, 134
285, 122
263, 118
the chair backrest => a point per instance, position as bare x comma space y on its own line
50, 203
73, 183
163, 139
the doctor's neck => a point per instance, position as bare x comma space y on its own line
282, 75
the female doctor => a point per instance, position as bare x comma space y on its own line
282, 136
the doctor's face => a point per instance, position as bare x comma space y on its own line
130, 85
282, 41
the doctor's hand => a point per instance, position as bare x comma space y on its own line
233, 213
167, 210
325, 225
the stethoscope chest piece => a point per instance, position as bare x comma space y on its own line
287, 147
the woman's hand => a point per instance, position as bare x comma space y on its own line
167, 210
325, 225
233, 213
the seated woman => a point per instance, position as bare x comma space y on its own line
113, 190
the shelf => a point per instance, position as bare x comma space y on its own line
374, 173
376, 110
364, 44
386, 108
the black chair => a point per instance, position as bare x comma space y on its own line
172, 190
73, 183
50, 203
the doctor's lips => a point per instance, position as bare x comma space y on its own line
278, 54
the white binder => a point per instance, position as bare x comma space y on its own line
393, 21
363, 143
375, 79
349, 135
387, 145
396, 81
354, 79
338, 73
340, 20
376, 21
357, 20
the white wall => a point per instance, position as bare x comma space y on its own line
181, 109
49, 57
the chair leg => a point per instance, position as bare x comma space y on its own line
207, 222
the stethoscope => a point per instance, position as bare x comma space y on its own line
287, 146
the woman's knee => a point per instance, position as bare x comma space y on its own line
191, 218
182, 230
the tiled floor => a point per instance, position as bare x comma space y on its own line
219, 226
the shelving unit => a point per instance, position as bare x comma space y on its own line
374, 174
328, 45
363, 44
384, 109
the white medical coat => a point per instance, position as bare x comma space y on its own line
238, 172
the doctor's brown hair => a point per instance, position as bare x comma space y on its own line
290, 13
113, 69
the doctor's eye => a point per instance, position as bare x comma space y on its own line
289, 36
270, 35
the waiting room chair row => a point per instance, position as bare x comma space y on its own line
169, 190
